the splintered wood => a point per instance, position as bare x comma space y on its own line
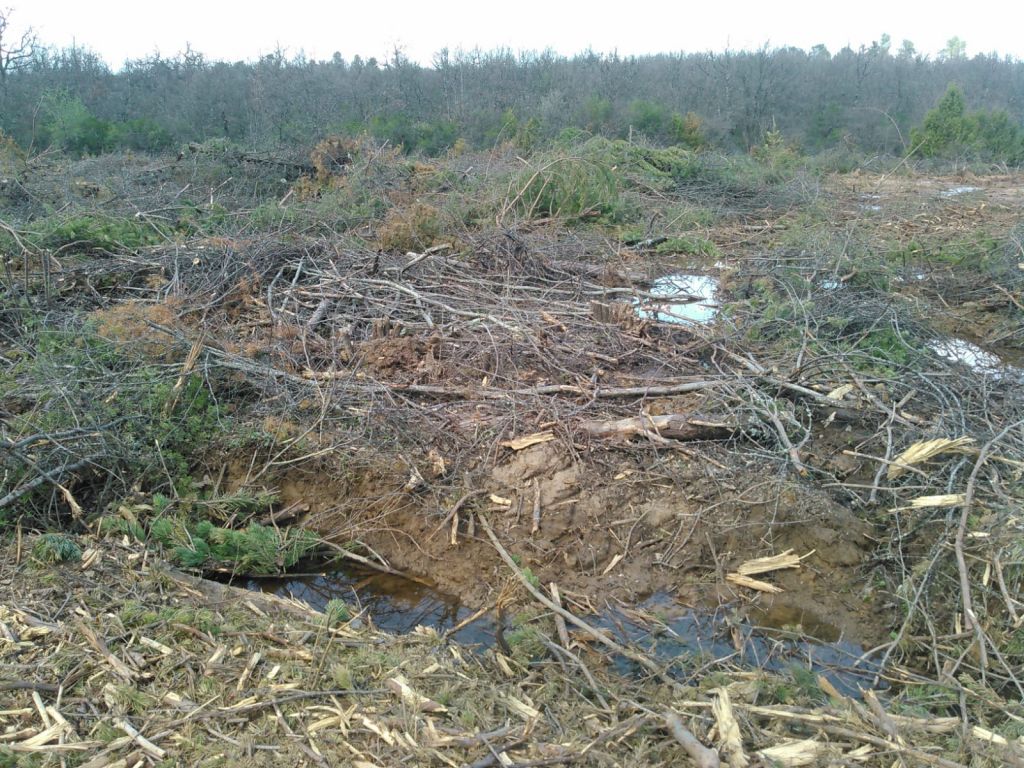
526, 441
921, 452
742, 576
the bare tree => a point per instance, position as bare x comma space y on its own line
15, 52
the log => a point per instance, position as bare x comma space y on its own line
676, 426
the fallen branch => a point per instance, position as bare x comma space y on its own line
701, 755
676, 426
597, 634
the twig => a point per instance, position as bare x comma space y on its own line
597, 634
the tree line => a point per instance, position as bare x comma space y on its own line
869, 99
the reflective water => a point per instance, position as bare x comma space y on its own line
680, 299
954, 191
690, 641
685, 640
394, 604
967, 353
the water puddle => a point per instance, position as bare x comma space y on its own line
395, 604
954, 191
691, 640
870, 207
974, 357
685, 640
680, 299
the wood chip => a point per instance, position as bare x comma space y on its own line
840, 392
792, 754
942, 500
524, 710
773, 563
400, 686
148, 747
745, 581
247, 672
615, 561
983, 734
521, 443
156, 646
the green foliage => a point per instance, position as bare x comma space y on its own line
778, 156
949, 130
69, 124
690, 246
56, 548
688, 131
143, 134
945, 127
243, 502
994, 135
649, 118
428, 137
886, 349
568, 187
118, 525
160, 431
827, 126
95, 232
531, 577
597, 114
336, 612
255, 549
524, 640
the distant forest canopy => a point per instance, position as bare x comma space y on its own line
868, 100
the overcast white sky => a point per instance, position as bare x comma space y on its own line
128, 29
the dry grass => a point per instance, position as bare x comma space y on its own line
120, 658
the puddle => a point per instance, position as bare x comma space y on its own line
395, 604
974, 357
867, 207
689, 640
694, 297
954, 191
686, 641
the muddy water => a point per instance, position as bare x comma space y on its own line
394, 604
687, 641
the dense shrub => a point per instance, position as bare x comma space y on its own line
950, 131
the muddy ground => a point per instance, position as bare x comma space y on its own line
622, 517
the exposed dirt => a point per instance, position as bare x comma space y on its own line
613, 526
623, 519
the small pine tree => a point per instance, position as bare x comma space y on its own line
945, 127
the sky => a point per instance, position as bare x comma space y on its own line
119, 30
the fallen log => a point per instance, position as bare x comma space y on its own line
674, 426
